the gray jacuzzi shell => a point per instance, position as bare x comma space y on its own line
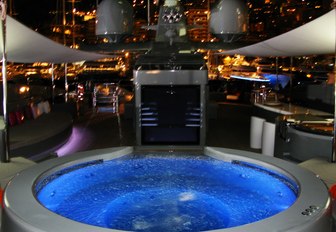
22, 212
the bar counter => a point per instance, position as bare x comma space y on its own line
288, 109
264, 124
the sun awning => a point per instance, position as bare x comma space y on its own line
317, 37
24, 45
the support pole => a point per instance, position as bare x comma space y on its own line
277, 73
11, 7
66, 86
291, 79
333, 156
53, 83
73, 25
148, 13
64, 22
4, 156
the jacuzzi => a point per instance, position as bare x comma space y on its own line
47, 197
304, 137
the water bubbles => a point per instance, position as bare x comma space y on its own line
187, 224
186, 196
159, 193
138, 166
89, 175
244, 176
140, 223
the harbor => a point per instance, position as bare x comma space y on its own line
169, 112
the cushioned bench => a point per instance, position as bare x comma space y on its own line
37, 137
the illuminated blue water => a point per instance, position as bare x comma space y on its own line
275, 79
152, 193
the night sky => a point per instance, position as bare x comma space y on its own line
35, 14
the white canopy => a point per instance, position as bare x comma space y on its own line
317, 37
314, 38
24, 45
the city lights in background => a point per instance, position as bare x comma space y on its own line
267, 18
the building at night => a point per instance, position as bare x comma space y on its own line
70, 22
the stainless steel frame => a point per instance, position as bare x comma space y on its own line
171, 78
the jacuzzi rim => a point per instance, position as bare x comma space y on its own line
19, 197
